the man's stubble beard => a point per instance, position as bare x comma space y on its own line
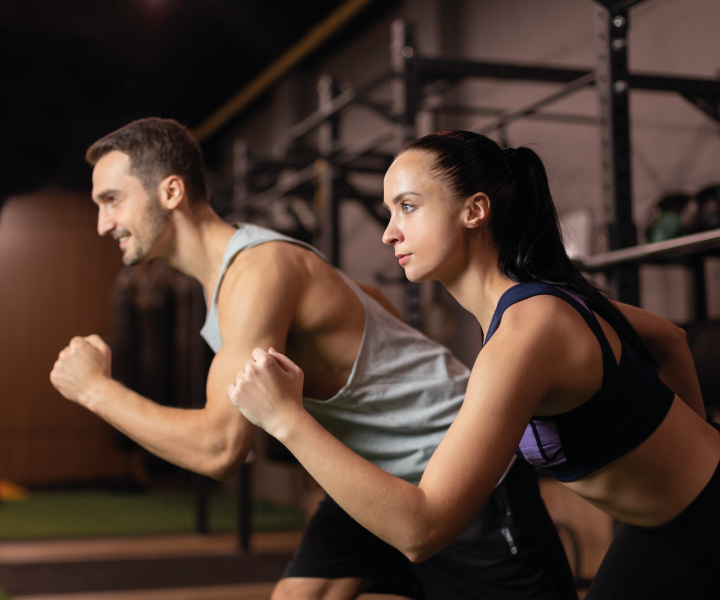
154, 222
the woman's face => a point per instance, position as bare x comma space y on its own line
425, 226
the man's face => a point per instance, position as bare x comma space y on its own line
126, 211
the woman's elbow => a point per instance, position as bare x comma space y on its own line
420, 548
418, 555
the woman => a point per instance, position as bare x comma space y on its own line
563, 379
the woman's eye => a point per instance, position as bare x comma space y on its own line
406, 208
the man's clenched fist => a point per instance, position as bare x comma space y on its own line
82, 364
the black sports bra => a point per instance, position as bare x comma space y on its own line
628, 407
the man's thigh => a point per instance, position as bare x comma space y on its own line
338, 558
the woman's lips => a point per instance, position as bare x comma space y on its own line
403, 258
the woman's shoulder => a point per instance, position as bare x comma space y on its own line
539, 312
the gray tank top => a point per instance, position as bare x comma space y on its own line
404, 390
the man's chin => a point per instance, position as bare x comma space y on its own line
130, 260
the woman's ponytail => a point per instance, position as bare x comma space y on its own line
523, 220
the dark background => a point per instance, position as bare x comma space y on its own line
73, 70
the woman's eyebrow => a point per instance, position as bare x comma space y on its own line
399, 197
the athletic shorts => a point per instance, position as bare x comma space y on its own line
510, 551
679, 560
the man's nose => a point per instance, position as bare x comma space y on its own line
104, 224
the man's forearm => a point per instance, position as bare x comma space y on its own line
193, 439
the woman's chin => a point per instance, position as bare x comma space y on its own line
416, 276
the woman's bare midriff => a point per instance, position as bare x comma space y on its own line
656, 481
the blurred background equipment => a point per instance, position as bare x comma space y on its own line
300, 108
673, 215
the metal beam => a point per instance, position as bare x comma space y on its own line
440, 68
659, 251
285, 185
612, 87
364, 146
688, 86
710, 106
314, 120
327, 201
517, 113
290, 59
489, 111
407, 92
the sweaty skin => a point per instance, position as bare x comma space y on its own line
543, 360
276, 294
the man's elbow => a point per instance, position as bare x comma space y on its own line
224, 458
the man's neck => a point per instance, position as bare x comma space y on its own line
199, 244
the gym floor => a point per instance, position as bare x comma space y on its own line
177, 567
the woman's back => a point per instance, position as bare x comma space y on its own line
602, 407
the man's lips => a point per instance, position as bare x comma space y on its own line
123, 239
403, 258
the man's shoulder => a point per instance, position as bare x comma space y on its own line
273, 267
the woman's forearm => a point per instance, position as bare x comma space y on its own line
395, 510
668, 345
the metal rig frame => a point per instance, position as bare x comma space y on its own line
320, 172
416, 79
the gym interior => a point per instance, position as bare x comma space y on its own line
299, 109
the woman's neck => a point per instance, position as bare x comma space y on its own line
479, 284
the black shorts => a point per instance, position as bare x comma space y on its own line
510, 551
675, 561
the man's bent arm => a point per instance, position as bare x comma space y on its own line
211, 440
256, 307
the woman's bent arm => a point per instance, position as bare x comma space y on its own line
507, 383
668, 345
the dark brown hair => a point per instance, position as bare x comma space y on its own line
523, 221
157, 148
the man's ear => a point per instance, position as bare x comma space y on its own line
171, 191
477, 210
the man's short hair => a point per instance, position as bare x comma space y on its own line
157, 148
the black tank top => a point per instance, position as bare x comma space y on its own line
628, 407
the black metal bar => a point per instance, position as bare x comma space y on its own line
621, 5
285, 185
439, 68
201, 503
453, 69
488, 111
318, 117
373, 204
407, 102
362, 147
689, 86
612, 86
531, 108
710, 106
315, 119
241, 169
329, 208
700, 312
659, 251
377, 108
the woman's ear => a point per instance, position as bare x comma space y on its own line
477, 210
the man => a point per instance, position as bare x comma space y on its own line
379, 386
